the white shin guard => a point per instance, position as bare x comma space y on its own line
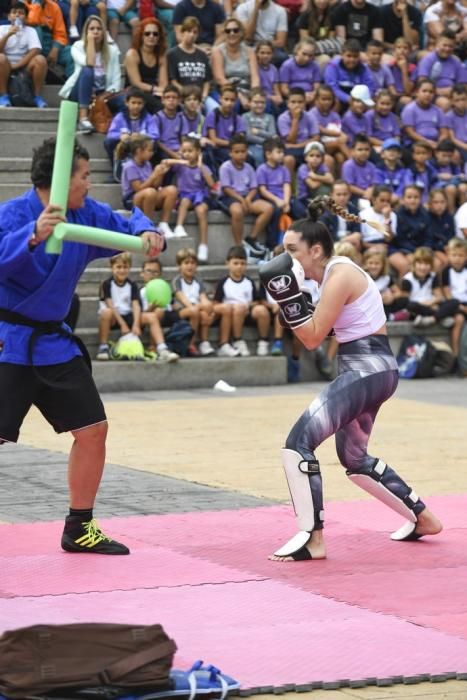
304, 481
400, 498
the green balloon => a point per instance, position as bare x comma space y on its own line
158, 292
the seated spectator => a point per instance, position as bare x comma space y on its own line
400, 19
220, 125
358, 20
375, 263
154, 316
346, 71
421, 172
122, 11
442, 15
97, 72
358, 171
194, 182
315, 23
191, 300
46, 16
80, 10
383, 79
457, 120
20, 49
342, 230
211, 18
413, 230
355, 120
192, 113
142, 184
145, 62
449, 175
236, 293
234, 63
133, 119
391, 172
296, 128
443, 68
442, 226
380, 211
421, 119
330, 127
265, 20
382, 122
301, 71
402, 71
239, 188
313, 176
259, 125
186, 63
454, 286
170, 123
269, 76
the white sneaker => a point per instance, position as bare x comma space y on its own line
179, 232
165, 229
226, 350
242, 347
103, 352
205, 348
262, 348
167, 355
73, 33
447, 322
84, 127
202, 253
424, 321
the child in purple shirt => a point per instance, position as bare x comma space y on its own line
382, 76
170, 123
421, 173
330, 126
221, 124
301, 71
296, 127
402, 71
269, 76
449, 175
358, 172
313, 176
346, 71
421, 119
382, 122
457, 120
443, 68
355, 119
239, 188
391, 172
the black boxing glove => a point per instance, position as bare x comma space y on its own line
311, 309
282, 277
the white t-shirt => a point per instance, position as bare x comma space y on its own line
369, 233
460, 219
434, 13
271, 20
20, 43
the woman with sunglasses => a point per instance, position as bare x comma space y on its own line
146, 64
97, 72
234, 63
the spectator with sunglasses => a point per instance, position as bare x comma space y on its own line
235, 63
146, 63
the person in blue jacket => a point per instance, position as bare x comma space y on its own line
41, 362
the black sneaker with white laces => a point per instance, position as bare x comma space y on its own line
256, 245
86, 537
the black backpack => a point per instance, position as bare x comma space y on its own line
20, 89
419, 358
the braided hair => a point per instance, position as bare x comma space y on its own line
318, 205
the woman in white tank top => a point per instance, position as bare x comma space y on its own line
350, 305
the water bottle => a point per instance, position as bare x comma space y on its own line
19, 24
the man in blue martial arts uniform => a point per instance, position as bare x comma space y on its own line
41, 362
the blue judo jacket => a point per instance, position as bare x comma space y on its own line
40, 286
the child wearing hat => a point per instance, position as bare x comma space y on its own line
355, 120
313, 176
390, 171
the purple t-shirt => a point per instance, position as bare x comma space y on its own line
303, 190
268, 77
395, 179
383, 127
242, 180
352, 124
426, 122
273, 179
192, 126
299, 76
443, 72
362, 176
382, 77
323, 120
132, 171
458, 123
397, 75
190, 180
224, 127
170, 129
307, 126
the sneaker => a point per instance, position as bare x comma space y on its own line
323, 364
205, 348
84, 127
40, 102
293, 370
167, 355
179, 232
193, 350
262, 348
165, 229
402, 315
242, 348
103, 352
447, 322
227, 350
73, 33
256, 245
277, 348
424, 321
5, 101
202, 253
88, 538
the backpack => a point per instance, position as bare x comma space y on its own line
419, 358
128, 347
20, 89
35, 660
179, 337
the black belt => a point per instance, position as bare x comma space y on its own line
43, 328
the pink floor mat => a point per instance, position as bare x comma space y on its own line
375, 609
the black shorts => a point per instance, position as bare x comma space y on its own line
65, 394
128, 318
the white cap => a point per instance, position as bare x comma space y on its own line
362, 93
314, 145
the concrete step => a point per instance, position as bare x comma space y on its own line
20, 144
26, 119
189, 373
19, 170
